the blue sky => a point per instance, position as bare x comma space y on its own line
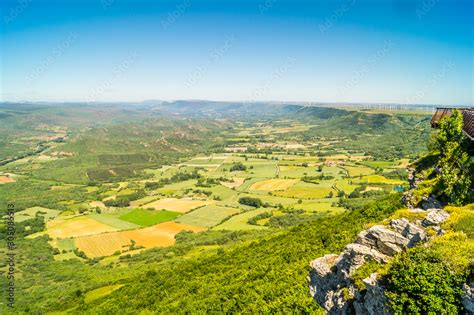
390, 51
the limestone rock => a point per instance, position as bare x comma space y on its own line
413, 233
383, 240
435, 217
430, 203
354, 256
323, 281
468, 297
374, 300
330, 280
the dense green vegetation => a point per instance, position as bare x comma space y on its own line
249, 201
448, 168
420, 282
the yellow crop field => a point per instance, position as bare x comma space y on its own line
179, 205
158, 235
76, 227
307, 193
273, 184
102, 244
376, 179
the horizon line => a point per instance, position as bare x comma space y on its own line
355, 103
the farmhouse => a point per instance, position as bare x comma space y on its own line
468, 118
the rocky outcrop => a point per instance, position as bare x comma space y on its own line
427, 202
374, 301
468, 297
435, 217
430, 202
330, 276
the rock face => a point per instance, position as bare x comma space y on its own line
435, 217
430, 203
468, 298
330, 276
374, 300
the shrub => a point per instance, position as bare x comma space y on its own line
453, 164
249, 201
420, 282
258, 217
238, 167
369, 267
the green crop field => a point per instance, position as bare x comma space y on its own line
309, 191
144, 217
207, 216
239, 222
114, 219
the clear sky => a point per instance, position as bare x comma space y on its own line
392, 51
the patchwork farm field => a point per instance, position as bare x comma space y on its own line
187, 202
212, 198
264, 176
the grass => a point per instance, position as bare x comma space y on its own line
222, 192
176, 188
380, 164
355, 171
379, 179
75, 227
178, 205
315, 206
142, 201
335, 171
144, 217
273, 184
66, 244
30, 213
100, 292
207, 216
293, 171
345, 185
66, 256
255, 168
239, 222
308, 191
113, 219
461, 219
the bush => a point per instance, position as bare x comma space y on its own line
238, 167
453, 166
258, 217
419, 282
249, 201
